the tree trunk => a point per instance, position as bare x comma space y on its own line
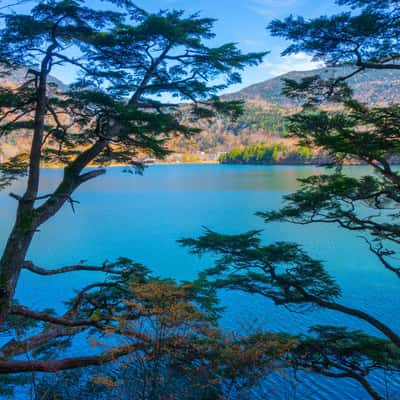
24, 229
11, 262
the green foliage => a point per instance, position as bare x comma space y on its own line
349, 201
134, 70
266, 154
181, 352
366, 34
352, 348
338, 352
13, 169
129, 61
228, 368
369, 135
282, 272
270, 121
365, 38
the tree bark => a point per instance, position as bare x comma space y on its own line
23, 230
29, 218
7, 367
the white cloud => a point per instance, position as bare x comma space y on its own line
272, 68
253, 43
271, 8
295, 62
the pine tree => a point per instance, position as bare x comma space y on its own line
366, 37
134, 70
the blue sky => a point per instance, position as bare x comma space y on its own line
244, 22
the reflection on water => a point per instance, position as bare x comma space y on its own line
141, 217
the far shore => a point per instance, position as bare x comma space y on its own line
211, 162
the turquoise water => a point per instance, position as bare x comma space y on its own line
141, 217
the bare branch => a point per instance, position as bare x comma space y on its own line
44, 317
380, 326
380, 252
15, 348
7, 367
28, 265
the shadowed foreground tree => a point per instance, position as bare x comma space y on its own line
218, 367
364, 37
128, 62
167, 331
284, 273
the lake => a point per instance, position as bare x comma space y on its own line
141, 217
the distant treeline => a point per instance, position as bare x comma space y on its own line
267, 154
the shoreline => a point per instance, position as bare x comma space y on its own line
145, 164
56, 167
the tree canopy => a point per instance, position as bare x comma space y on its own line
364, 36
134, 69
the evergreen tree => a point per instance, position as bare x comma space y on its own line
134, 68
365, 37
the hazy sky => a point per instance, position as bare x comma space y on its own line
244, 22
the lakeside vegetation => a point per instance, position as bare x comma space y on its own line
268, 154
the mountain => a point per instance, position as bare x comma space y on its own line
11, 144
17, 77
266, 109
372, 86
263, 121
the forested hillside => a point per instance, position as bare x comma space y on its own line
371, 86
263, 121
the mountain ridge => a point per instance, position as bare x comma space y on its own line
372, 86
262, 123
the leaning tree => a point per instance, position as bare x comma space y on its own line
365, 36
134, 69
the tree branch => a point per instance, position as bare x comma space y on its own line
44, 317
15, 348
7, 367
28, 265
136, 96
380, 326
